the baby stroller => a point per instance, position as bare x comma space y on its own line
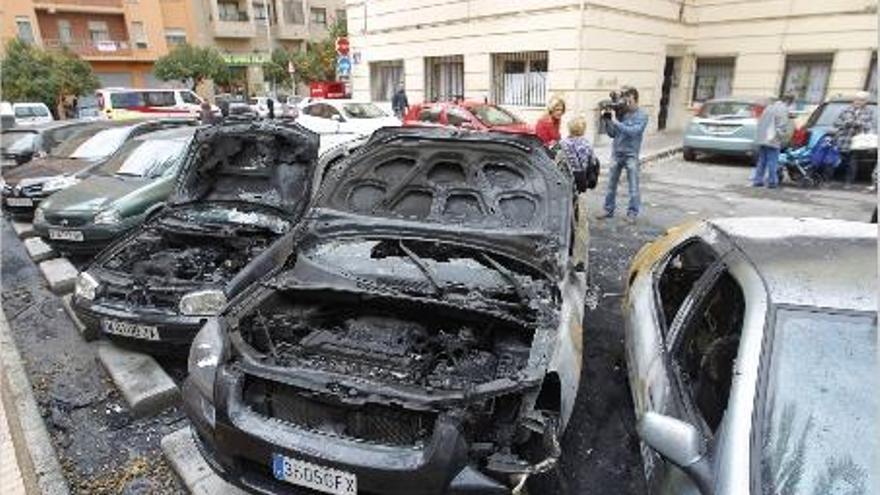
810, 165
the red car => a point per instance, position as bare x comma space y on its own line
473, 115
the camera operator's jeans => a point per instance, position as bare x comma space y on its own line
631, 164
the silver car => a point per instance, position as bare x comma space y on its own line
726, 126
752, 357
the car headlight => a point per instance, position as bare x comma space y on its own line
202, 303
59, 183
204, 356
86, 286
108, 217
39, 215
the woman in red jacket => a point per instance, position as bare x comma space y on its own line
547, 127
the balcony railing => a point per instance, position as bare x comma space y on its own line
241, 16
91, 48
82, 3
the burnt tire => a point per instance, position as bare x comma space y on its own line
689, 154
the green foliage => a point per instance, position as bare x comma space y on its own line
318, 62
33, 74
192, 63
276, 68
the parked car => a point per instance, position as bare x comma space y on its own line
821, 122
21, 144
118, 196
344, 117
260, 105
473, 115
127, 103
751, 348
24, 187
242, 187
423, 338
724, 126
7, 116
31, 113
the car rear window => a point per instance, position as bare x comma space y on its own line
18, 141
143, 158
31, 111
430, 114
727, 109
102, 144
362, 111
493, 116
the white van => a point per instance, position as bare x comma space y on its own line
124, 103
31, 113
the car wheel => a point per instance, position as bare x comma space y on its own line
689, 154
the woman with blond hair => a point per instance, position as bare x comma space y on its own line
547, 127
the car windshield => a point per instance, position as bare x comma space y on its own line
145, 158
493, 116
362, 111
102, 144
218, 213
726, 109
819, 432
19, 141
31, 111
831, 110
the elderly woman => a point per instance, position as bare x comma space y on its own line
547, 127
856, 119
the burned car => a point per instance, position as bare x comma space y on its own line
751, 347
423, 338
241, 188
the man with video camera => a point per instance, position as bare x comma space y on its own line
624, 122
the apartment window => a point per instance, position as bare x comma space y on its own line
871, 80
260, 11
139, 34
293, 12
713, 78
384, 78
175, 37
519, 79
444, 78
229, 11
25, 29
341, 16
318, 16
98, 31
807, 77
65, 33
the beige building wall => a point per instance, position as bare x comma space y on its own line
595, 46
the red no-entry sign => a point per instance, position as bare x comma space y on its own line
342, 45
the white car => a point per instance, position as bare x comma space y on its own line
344, 117
31, 113
259, 104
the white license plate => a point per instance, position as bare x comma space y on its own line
320, 478
66, 235
19, 201
132, 330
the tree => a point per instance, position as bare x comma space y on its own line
187, 63
33, 74
318, 61
276, 68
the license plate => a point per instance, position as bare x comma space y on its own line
132, 330
320, 478
66, 235
19, 201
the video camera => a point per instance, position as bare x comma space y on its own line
614, 104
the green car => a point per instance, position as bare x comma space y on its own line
126, 190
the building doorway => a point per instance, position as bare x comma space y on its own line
665, 92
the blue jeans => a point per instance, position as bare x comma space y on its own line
768, 163
631, 164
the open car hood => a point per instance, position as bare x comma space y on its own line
474, 186
259, 162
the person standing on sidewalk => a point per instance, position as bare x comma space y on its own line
855, 119
772, 127
399, 103
547, 127
627, 130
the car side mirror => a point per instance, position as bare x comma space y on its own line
336, 117
679, 442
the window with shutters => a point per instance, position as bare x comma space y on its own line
520, 79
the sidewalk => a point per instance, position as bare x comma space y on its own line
11, 478
654, 147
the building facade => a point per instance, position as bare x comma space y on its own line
676, 53
122, 39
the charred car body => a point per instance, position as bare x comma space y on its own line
241, 188
424, 338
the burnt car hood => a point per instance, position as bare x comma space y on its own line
259, 162
93, 193
45, 167
496, 190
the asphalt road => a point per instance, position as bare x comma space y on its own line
104, 450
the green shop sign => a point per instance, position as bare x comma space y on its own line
246, 58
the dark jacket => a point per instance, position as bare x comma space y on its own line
399, 102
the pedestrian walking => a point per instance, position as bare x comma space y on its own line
547, 127
206, 114
772, 127
399, 103
627, 129
855, 119
270, 104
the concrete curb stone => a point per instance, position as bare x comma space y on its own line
182, 453
147, 389
60, 274
24, 230
38, 250
33, 444
87, 335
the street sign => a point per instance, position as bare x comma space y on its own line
343, 65
245, 58
342, 45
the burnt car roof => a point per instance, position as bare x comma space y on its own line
258, 162
810, 261
497, 189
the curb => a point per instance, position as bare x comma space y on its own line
660, 154
33, 445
